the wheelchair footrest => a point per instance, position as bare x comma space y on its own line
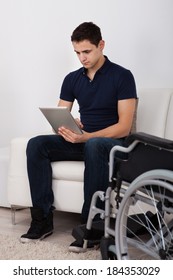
95, 233
137, 224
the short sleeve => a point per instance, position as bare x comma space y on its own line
67, 89
126, 86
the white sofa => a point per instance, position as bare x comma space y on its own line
4, 159
154, 116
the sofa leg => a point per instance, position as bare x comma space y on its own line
13, 212
15, 208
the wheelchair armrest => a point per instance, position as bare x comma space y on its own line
150, 140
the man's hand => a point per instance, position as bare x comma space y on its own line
71, 136
79, 123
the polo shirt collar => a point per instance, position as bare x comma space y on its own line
102, 69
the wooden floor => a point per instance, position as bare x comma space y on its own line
63, 224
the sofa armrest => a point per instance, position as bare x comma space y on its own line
18, 190
17, 164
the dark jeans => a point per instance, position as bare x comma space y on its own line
44, 149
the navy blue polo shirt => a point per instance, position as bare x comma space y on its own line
98, 98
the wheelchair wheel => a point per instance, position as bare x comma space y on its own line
107, 248
144, 223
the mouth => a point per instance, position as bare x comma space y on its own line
85, 63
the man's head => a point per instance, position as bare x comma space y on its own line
88, 45
87, 31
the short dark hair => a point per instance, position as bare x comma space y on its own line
87, 31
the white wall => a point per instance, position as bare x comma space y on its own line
36, 52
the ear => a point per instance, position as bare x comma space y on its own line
101, 44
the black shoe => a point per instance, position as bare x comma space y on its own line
77, 246
40, 228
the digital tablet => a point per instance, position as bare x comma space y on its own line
60, 116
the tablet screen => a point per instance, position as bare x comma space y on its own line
60, 116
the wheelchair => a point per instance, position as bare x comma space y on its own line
138, 213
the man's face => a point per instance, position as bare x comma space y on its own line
88, 53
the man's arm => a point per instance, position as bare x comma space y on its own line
126, 109
63, 103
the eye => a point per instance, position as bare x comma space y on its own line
87, 51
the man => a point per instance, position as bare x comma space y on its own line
106, 95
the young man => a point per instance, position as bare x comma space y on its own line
106, 95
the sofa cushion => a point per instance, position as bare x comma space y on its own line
169, 125
152, 111
68, 170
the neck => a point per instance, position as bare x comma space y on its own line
91, 71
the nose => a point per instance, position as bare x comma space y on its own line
82, 57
